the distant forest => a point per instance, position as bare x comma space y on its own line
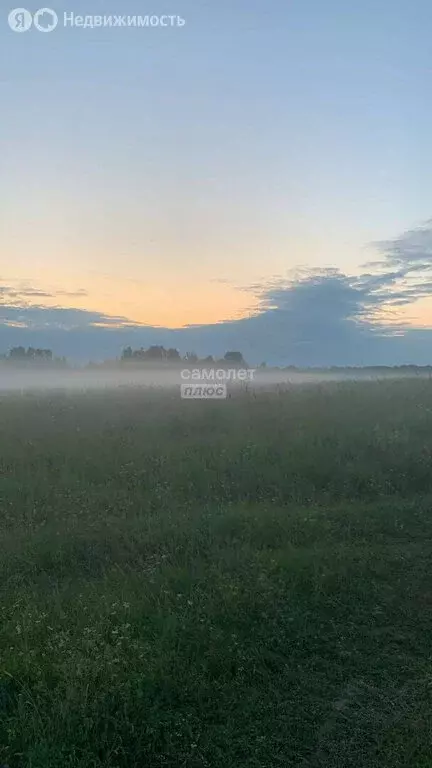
33, 356
156, 356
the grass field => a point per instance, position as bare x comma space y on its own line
223, 584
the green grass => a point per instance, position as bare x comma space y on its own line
221, 584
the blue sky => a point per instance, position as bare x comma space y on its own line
173, 177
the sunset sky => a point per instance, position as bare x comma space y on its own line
182, 176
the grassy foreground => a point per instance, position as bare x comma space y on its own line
222, 584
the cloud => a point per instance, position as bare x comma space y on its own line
412, 249
72, 294
36, 318
18, 294
7, 292
310, 317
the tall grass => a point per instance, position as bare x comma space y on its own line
236, 583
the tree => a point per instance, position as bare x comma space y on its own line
156, 353
234, 357
173, 355
43, 354
191, 357
17, 353
30, 354
139, 354
127, 354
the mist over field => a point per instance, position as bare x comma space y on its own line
17, 380
244, 583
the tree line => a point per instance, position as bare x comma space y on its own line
32, 355
152, 355
158, 354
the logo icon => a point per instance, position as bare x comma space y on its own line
20, 20
45, 19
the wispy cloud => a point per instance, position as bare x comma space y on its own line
27, 294
38, 317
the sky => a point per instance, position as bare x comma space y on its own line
259, 176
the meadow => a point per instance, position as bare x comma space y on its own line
192, 584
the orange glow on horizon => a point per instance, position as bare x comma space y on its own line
418, 314
173, 305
